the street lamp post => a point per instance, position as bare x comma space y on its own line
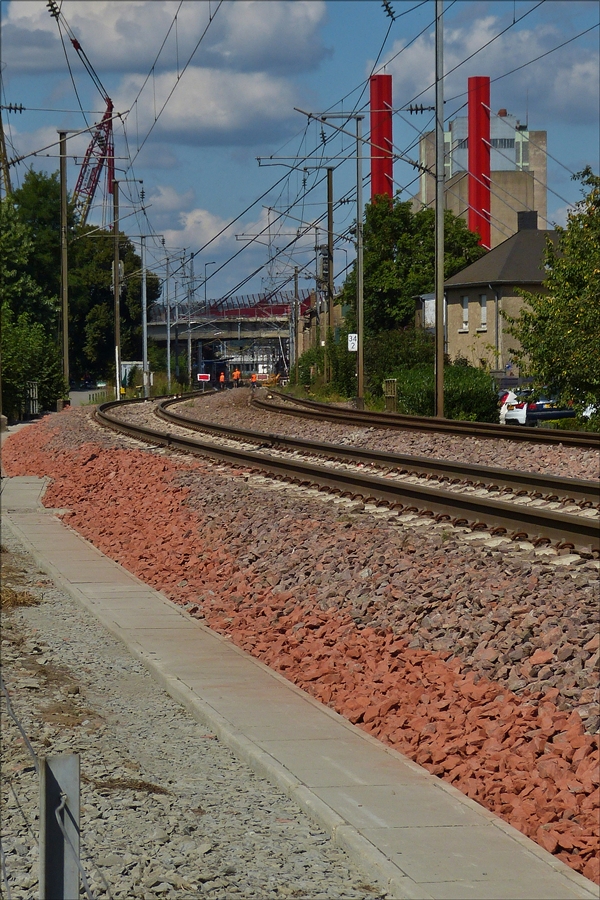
116, 282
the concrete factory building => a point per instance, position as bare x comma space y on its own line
517, 172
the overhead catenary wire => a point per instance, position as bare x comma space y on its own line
281, 182
178, 79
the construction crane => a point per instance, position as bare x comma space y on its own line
101, 148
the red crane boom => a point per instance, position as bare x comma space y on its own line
101, 148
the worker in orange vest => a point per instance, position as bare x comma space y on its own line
253, 381
222, 380
236, 377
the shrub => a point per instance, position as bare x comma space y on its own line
469, 394
391, 351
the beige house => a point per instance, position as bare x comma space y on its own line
476, 297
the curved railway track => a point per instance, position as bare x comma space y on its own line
293, 406
500, 516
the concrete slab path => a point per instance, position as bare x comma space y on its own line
413, 833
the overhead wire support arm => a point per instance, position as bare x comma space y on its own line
326, 116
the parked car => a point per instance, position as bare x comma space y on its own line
526, 409
513, 405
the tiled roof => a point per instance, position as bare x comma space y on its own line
517, 260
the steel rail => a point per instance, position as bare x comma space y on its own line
444, 505
547, 486
371, 419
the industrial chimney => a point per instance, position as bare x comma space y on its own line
382, 178
479, 158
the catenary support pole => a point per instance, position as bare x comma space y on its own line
360, 313
329, 300
145, 372
64, 271
189, 337
296, 322
117, 289
439, 211
168, 299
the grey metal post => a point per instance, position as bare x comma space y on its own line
168, 329
360, 311
189, 338
329, 300
117, 287
145, 372
64, 286
296, 322
439, 210
59, 827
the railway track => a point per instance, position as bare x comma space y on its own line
578, 531
293, 406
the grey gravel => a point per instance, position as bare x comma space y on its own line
167, 811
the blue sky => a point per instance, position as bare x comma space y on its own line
235, 102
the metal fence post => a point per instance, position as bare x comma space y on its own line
59, 827
390, 392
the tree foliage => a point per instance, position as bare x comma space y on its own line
38, 205
399, 258
29, 319
91, 302
90, 260
559, 330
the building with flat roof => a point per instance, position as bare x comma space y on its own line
518, 172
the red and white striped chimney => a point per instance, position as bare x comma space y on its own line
382, 178
480, 197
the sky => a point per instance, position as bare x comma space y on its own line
206, 92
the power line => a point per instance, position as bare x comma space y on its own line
177, 80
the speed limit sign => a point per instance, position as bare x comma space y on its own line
352, 343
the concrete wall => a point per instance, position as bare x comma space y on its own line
512, 189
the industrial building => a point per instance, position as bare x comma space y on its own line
517, 172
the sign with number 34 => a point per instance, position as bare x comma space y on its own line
352, 343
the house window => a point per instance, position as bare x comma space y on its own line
483, 312
465, 313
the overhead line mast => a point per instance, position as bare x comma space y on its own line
101, 147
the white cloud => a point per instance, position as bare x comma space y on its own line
212, 107
561, 87
276, 35
258, 35
168, 200
199, 226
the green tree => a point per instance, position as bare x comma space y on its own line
91, 302
559, 330
28, 344
399, 257
38, 205
20, 291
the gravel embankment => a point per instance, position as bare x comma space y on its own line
479, 663
167, 811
